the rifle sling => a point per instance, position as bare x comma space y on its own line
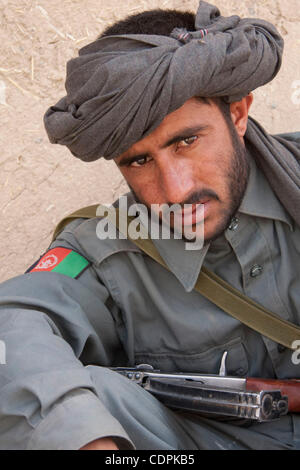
212, 287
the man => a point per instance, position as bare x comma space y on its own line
167, 96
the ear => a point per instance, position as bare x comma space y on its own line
239, 114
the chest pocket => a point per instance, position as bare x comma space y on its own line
206, 362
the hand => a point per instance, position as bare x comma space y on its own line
105, 443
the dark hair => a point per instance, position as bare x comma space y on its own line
162, 22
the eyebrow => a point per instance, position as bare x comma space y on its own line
182, 134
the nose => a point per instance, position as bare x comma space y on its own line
176, 178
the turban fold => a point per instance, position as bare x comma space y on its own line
120, 88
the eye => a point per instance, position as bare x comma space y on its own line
188, 141
140, 162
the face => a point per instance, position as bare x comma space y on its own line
192, 157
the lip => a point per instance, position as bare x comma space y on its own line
203, 203
192, 215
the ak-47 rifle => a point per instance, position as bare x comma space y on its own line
214, 395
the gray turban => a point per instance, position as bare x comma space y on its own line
120, 88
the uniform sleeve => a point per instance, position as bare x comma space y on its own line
52, 326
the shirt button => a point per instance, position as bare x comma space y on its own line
234, 224
256, 270
281, 348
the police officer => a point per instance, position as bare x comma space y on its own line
167, 96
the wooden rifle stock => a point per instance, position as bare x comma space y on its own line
290, 388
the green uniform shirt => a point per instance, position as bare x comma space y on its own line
125, 309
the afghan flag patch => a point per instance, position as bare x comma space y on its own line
61, 260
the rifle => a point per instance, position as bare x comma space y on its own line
249, 398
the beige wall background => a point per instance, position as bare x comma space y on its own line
40, 182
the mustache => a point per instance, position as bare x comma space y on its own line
193, 198
200, 195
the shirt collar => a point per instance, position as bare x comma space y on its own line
184, 264
260, 200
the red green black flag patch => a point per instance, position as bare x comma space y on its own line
61, 260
